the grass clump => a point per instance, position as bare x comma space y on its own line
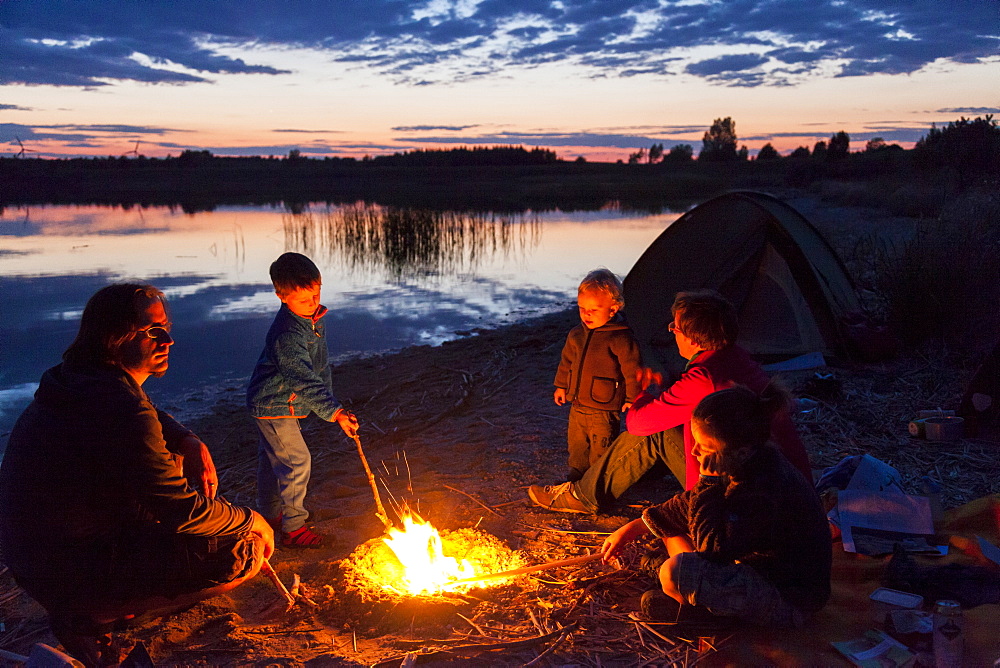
942, 284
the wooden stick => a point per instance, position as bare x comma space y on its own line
273, 577
380, 510
575, 561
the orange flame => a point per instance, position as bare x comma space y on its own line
418, 547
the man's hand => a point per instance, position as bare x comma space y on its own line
261, 527
648, 377
559, 396
614, 543
347, 421
198, 467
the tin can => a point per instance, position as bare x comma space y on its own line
949, 640
918, 428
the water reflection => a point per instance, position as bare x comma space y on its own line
406, 242
392, 277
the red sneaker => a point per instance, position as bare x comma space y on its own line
302, 537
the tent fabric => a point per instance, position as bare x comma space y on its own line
791, 290
850, 612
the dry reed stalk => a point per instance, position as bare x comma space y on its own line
477, 501
11, 595
479, 630
551, 648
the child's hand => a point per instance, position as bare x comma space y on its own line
559, 396
347, 421
647, 377
614, 543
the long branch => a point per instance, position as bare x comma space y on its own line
380, 510
575, 561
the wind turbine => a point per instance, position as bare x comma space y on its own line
20, 154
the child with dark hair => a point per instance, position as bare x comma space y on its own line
751, 540
597, 371
291, 380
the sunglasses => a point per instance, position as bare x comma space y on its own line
157, 332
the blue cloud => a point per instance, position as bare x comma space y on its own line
300, 131
969, 110
426, 128
69, 43
726, 64
8, 131
550, 139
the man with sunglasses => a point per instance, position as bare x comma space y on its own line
659, 422
108, 506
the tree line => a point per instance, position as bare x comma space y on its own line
969, 148
719, 144
964, 153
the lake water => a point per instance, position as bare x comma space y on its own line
391, 278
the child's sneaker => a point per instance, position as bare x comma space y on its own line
301, 537
657, 606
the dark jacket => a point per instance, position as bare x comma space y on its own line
292, 377
598, 366
89, 464
769, 518
657, 410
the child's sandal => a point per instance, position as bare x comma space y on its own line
302, 537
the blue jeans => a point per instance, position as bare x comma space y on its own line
283, 468
628, 458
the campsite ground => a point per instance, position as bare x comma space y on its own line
459, 431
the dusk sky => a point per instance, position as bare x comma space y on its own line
598, 78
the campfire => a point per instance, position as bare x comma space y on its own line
418, 547
418, 560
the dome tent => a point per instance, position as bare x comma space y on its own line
791, 291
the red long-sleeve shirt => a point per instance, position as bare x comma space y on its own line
710, 371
